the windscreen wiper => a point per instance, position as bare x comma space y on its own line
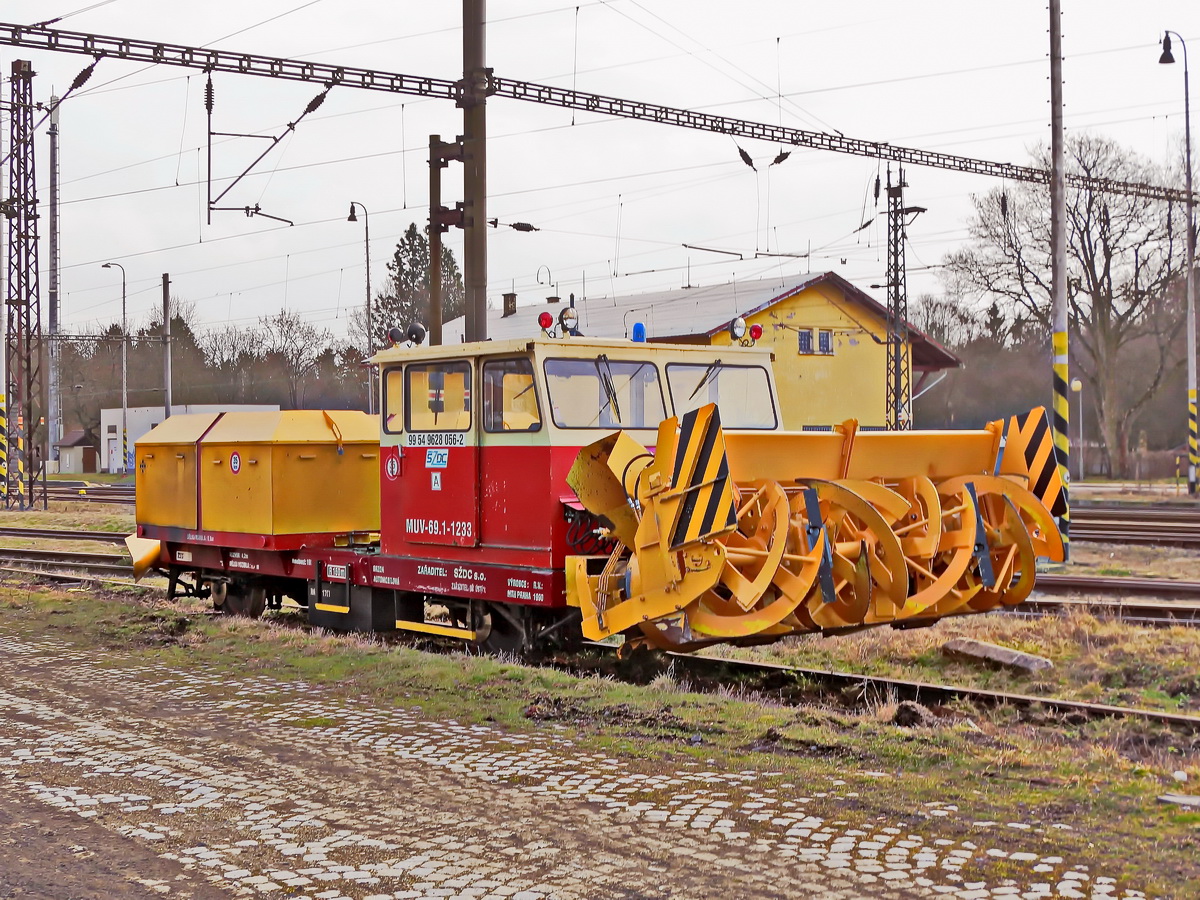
610, 390
709, 374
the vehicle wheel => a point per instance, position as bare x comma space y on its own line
243, 599
508, 632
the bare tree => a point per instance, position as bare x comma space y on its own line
946, 319
227, 347
1124, 253
295, 346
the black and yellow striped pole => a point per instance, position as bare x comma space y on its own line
19, 460
3, 425
1060, 420
1061, 417
1192, 454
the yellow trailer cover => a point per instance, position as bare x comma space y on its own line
291, 472
165, 485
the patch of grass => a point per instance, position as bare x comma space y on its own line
314, 722
1122, 560
83, 516
1100, 660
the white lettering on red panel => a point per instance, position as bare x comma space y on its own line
439, 527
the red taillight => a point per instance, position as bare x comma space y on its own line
755, 332
545, 320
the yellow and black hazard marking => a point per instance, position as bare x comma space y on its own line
1193, 447
1030, 449
701, 478
3, 439
1061, 421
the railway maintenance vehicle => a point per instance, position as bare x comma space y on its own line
523, 492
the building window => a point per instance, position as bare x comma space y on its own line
825, 341
806, 340
112, 429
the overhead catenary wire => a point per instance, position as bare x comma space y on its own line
77, 12
615, 267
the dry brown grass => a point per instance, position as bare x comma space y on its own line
1179, 563
1094, 659
64, 514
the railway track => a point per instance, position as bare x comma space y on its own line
1133, 602
1062, 582
70, 565
780, 677
66, 564
107, 493
1149, 601
1173, 525
58, 534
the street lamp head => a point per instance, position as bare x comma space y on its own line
352, 217
106, 265
1166, 54
1076, 385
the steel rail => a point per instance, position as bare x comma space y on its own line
1158, 587
60, 556
921, 690
100, 563
73, 577
111, 537
84, 497
211, 60
1141, 612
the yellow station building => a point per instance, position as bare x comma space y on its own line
828, 337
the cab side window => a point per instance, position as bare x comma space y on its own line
393, 400
438, 396
510, 400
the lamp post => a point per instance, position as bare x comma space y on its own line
124, 373
1077, 387
1191, 257
370, 337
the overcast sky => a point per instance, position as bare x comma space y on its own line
615, 200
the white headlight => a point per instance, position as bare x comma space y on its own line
737, 328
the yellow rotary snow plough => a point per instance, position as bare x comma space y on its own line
743, 537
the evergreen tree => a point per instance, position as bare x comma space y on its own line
405, 298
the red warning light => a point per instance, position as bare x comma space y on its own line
545, 320
755, 332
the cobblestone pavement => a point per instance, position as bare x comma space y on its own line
259, 787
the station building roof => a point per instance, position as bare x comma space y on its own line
697, 313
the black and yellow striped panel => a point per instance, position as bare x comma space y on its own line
1060, 422
1029, 446
3, 440
1193, 448
701, 477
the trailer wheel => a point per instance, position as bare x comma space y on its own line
509, 631
243, 599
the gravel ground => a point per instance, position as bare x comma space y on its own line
124, 778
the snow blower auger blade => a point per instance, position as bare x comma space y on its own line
743, 537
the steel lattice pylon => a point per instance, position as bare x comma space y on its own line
899, 371
26, 476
